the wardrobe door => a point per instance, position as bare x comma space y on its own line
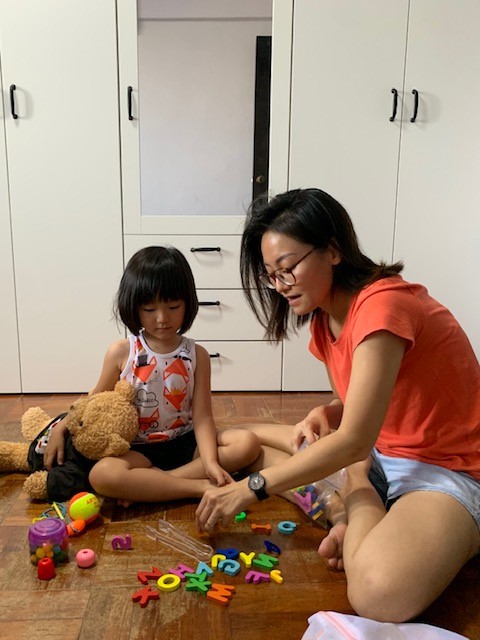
64, 184
438, 221
346, 59
337, 87
10, 369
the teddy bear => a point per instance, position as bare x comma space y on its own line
100, 425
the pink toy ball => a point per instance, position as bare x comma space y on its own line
85, 558
84, 506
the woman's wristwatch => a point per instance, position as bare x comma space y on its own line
256, 482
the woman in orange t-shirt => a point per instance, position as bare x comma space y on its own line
405, 417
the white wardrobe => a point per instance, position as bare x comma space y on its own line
111, 142
60, 194
376, 103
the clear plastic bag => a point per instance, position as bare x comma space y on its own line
314, 498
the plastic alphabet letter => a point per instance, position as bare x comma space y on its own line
197, 582
144, 595
145, 576
216, 559
272, 548
180, 571
120, 542
221, 593
276, 575
202, 567
256, 577
267, 562
304, 501
168, 583
231, 553
247, 558
230, 567
286, 527
240, 516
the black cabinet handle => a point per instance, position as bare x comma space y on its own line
214, 355
214, 303
12, 101
395, 105
194, 249
129, 102
415, 105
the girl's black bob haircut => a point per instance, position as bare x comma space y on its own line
155, 273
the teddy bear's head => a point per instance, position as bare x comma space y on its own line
104, 424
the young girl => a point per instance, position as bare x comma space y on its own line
177, 453
406, 390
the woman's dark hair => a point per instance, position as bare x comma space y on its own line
311, 217
155, 273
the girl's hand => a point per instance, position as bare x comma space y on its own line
217, 476
219, 506
55, 448
319, 423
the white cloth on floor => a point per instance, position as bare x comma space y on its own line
329, 625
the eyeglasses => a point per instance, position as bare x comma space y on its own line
283, 275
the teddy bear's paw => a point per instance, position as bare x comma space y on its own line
13, 456
36, 485
33, 421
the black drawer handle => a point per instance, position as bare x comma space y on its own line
395, 105
415, 105
194, 249
129, 102
12, 101
214, 355
214, 303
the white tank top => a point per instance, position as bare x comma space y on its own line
163, 385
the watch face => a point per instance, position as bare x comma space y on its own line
256, 481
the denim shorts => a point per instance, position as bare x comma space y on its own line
393, 477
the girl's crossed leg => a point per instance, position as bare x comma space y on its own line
133, 478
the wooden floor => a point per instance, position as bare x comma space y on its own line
97, 602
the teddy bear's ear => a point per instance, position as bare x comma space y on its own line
33, 421
125, 389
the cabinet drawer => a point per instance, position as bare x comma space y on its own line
226, 317
217, 269
245, 366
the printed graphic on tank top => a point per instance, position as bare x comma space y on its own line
163, 386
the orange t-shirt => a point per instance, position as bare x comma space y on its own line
434, 412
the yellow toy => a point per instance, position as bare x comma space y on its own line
98, 426
84, 506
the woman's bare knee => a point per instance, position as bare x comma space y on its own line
379, 596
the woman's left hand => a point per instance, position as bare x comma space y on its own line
220, 505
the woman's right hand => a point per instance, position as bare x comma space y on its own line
318, 423
219, 505
55, 448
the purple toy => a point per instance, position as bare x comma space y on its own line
48, 538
